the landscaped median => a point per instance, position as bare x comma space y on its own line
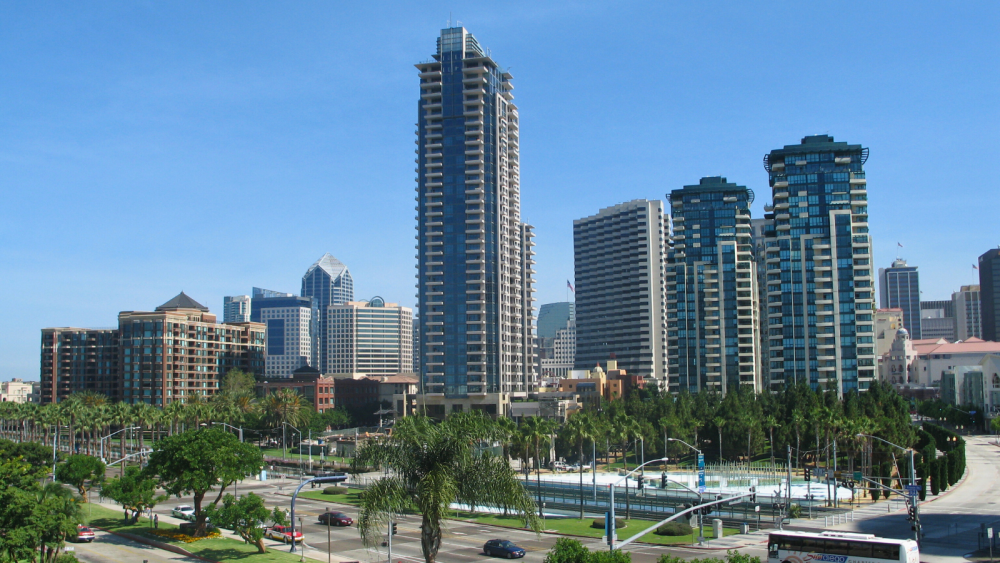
565, 526
586, 528
210, 548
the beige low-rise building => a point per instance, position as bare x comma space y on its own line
18, 391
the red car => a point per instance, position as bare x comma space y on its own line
335, 519
283, 534
83, 534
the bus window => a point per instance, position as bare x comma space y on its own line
885, 552
860, 550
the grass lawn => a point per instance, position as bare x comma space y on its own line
217, 549
577, 527
350, 498
293, 455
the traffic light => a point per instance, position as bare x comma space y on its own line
394, 528
911, 513
663, 481
641, 482
808, 475
753, 494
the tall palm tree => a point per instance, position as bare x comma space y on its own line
535, 430
284, 407
798, 423
121, 416
174, 413
719, 423
579, 429
431, 465
770, 422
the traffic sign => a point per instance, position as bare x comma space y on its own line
857, 475
912, 490
701, 472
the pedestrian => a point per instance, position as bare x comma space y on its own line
156, 520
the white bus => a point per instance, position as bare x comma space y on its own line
839, 547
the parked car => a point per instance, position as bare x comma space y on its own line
335, 519
283, 534
184, 512
83, 535
502, 548
558, 466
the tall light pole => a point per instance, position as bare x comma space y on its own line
112, 434
611, 527
283, 424
701, 483
914, 499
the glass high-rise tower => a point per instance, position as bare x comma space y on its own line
474, 254
711, 276
899, 288
818, 260
327, 282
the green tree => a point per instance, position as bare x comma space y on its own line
200, 461
133, 490
34, 520
536, 430
429, 466
567, 550
579, 429
81, 471
719, 423
247, 517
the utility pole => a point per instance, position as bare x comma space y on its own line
836, 497
915, 499
788, 504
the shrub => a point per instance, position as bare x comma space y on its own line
674, 529
567, 550
599, 523
795, 510
335, 491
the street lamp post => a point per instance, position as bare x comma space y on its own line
112, 434
914, 499
611, 527
701, 491
283, 424
240, 430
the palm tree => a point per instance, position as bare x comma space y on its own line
580, 428
770, 422
431, 465
284, 407
719, 422
535, 429
798, 423
173, 413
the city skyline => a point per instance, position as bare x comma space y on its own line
197, 111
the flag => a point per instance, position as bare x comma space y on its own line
899, 245
570, 286
974, 267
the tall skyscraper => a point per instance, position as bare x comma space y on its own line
899, 288
290, 332
620, 291
989, 294
327, 282
711, 277
553, 317
370, 337
820, 292
236, 309
968, 312
474, 253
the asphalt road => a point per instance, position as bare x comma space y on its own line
108, 548
952, 521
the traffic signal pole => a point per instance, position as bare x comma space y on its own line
915, 499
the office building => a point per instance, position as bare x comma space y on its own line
474, 254
820, 288
258, 292
236, 309
899, 288
308, 382
989, 294
370, 337
416, 345
552, 317
937, 320
620, 291
887, 323
712, 292
560, 359
968, 313
179, 350
327, 282
79, 359
290, 342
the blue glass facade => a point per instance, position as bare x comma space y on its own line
712, 338
820, 291
327, 282
468, 210
899, 287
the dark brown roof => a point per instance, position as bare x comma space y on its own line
182, 301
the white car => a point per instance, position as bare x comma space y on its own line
184, 512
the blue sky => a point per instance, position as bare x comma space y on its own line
150, 147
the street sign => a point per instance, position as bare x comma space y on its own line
857, 476
701, 489
989, 533
912, 490
701, 472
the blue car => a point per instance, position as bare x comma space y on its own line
502, 548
